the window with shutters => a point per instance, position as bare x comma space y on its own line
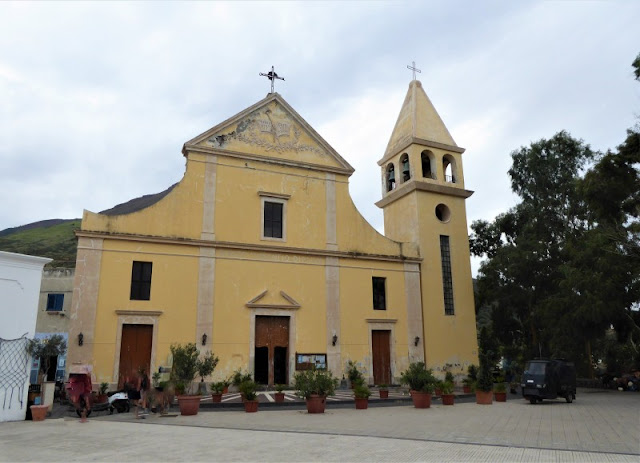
141, 281
55, 302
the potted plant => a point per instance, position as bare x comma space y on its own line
314, 386
421, 382
361, 393
216, 391
279, 395
206, 365
383, 391
484, 384
500, 390
186, 364
468, 384
354, 374
44, 350
248, 389
102, 393
227, 383
447, 396
238, 377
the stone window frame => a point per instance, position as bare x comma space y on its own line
273, 198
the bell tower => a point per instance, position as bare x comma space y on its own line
423, 201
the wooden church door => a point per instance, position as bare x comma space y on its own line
271, 351
135, 352
380, 347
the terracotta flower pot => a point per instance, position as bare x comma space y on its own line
189, 404
421, 399
316, 404
39, 412
500, 396
466, 389
362, 403
216, 397
484, 398
384, 393
438, 392
225, 390
251, 406
279, 396
448, 399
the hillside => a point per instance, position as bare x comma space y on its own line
55, 238
48, 238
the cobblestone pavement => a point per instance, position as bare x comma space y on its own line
599, 426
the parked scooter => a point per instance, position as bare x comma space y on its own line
118, 401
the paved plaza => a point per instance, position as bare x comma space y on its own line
600, 426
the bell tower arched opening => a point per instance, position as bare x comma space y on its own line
449, 168
390, 178
428, 167
405, 167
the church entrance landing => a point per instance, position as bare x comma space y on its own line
272, 346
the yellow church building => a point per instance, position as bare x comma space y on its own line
260, 255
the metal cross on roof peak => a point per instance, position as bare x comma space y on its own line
271, 75
414, 69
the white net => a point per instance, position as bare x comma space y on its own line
13, 370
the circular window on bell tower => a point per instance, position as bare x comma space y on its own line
443, 213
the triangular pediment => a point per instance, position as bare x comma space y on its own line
271, 129
418, 121
273, 300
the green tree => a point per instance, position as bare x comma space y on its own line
563, 265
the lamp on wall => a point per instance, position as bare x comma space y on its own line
334, 339
416, 340
204, 339
80, 339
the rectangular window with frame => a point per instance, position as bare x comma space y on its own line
379, 293
272, 219
447, 279
55, 302
141, 281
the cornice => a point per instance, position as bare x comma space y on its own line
267, 159
140, 313
407, 142
247, 246
409, 187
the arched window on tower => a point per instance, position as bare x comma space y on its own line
406, 170
427, 172
391, 177
449, 168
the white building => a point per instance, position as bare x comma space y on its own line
20, 278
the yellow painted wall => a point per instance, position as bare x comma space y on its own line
448, 339
179, 214
173, 291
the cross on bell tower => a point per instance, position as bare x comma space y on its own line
271, 75
414, 69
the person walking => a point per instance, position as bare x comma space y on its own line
144, 391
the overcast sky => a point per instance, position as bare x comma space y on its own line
96, 99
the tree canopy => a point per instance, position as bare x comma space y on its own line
562, 267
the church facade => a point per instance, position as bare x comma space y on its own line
260, 255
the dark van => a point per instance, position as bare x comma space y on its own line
549, 379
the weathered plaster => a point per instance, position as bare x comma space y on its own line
206, 285
209, 199
332, 276
86, 285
